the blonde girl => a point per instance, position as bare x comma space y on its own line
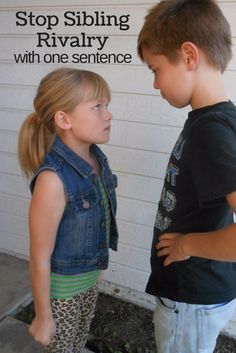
72, 211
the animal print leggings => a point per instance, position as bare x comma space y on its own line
73, 317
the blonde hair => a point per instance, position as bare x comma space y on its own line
170, 23
62, 89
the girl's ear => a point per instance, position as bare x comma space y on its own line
62, 120
191, 55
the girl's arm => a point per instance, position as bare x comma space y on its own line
216, 245
46, 209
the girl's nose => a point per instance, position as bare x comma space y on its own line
108, 115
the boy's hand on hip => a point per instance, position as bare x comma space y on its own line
171, 246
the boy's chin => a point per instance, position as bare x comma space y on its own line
102, 141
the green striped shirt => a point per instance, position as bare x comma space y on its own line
67, 286
106, 208
63, 286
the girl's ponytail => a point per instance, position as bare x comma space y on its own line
35, 139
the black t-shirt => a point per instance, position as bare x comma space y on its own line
201, 171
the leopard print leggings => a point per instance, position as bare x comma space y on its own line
73, 317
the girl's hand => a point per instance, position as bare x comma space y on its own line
171, 245
42, 330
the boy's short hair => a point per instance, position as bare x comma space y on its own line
170, 23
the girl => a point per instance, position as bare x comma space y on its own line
72, 211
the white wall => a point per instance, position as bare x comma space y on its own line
144, 126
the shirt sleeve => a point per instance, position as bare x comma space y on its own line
213, 154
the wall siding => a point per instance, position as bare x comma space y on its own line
145, 127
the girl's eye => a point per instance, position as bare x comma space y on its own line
101, 106
97, 106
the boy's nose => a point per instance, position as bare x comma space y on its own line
155, 84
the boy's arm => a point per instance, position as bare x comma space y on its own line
217, 245
46, 209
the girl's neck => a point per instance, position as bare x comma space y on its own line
83, 151
95, 164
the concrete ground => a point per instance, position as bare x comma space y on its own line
15, 292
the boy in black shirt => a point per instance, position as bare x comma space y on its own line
187, 45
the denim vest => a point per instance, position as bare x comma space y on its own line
81, 242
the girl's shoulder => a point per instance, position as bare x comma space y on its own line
46, 179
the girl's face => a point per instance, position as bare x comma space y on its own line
90, 122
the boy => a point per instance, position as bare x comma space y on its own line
187, 45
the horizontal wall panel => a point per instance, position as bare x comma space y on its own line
13, 185
228, 9
135, 235
14, 205
76, 3
136, 211
139, 187
230, 79
8, 141
142, 136
25, 74
137, 161
14, 244
12, 224
17, 97
11, 120
136, 258
139, 82
151, 109
9, 164
98, 3
126, 276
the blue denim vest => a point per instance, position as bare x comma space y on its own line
81, 242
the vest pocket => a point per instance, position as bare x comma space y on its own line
84, 202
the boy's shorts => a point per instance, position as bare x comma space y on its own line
189, 328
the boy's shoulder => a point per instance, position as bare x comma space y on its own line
213, 126
222, 113
212, 130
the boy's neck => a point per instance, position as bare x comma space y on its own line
209, 90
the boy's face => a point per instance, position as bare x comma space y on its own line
172, 79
